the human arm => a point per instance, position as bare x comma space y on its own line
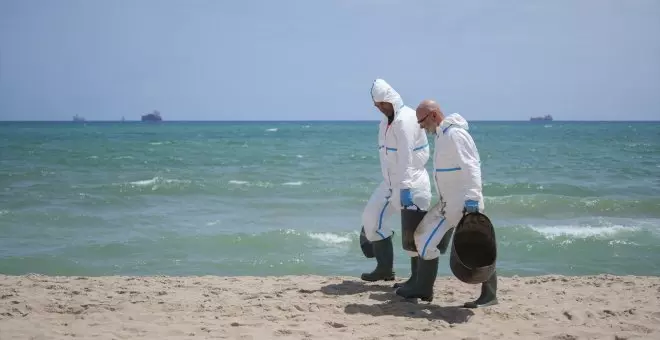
468, 158
405, 139
404, 134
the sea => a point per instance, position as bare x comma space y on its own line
285, 198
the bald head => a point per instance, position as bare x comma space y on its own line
427, 106
429, 115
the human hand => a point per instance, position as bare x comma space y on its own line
471, 206
406, 198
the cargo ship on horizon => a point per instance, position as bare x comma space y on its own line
152, 117
546, 118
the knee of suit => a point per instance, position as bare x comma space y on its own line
374, 225
374, 231
430, 254
427, 248
427, 240
369, 218
377, 234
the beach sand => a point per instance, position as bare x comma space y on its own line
315, 307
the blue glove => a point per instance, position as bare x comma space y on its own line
471, 206
406, 198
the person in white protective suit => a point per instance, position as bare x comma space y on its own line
457, 179
403, 151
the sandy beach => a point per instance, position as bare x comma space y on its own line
315, 307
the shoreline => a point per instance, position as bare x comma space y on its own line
605, 306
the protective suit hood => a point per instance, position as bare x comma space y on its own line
456, 120
381, 91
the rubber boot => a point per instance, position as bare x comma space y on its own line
427, 271
488, 295
413, 275
384, 254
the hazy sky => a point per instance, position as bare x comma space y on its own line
278, 59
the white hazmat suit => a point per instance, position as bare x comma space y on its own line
457, 178
403, 151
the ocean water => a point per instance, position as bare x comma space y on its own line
275, 198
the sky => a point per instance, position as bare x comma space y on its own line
316, 60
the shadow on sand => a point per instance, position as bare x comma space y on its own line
354, 287
395, 305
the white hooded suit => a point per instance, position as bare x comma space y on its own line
404, 151
457, 178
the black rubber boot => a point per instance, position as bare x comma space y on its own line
427, 271
413, 275
385, 260
488, 295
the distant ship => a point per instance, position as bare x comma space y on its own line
77, 118
546, 118
152, 117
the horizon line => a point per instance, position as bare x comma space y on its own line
312, 120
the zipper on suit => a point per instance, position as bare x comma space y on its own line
389, 178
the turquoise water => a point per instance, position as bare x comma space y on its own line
276, 198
